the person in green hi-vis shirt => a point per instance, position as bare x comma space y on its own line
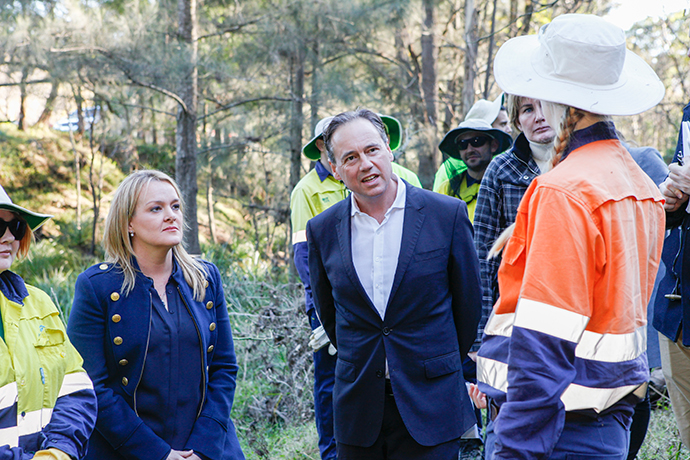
494, 113
475, 142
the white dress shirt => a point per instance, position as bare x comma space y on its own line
376, 247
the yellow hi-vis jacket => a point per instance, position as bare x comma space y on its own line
41, 378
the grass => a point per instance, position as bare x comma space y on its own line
663, 440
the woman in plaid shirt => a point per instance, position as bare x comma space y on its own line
505, 181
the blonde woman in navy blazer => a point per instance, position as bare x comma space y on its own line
153, 328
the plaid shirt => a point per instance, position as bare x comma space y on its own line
505, 181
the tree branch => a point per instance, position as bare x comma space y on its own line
246, 101
117, 60
151, 109
234, 28
32, 82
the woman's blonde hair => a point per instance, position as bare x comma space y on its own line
118, 244
564, 131
513, 108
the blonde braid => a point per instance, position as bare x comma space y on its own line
570, 118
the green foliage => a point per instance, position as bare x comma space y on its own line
53, 268
274, 385
160, 157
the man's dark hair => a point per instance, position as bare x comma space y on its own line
346, 117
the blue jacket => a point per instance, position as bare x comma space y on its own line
672, 316
429, 326
112, 332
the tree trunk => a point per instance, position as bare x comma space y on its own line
489, 60
141, 131
449, 111
513, 17
80, 109
21, 120
428, 159
296, 115
470, 56
96, 189
527, 19
50, 104
315, 100
77, 176
185, 135
209, 204
154, 131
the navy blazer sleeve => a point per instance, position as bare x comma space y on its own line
117, 422
464, 280
213, 425
321, 288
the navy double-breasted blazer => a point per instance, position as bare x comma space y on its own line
112, 331
430, 321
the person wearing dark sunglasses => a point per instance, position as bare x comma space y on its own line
475, 142
47, 402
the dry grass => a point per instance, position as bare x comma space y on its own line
663, 441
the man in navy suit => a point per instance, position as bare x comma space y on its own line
395, 280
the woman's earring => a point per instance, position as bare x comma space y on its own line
131, 234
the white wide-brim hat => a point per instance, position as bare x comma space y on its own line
34, 219
486, 110
578, 60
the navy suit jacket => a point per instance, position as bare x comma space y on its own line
430, 322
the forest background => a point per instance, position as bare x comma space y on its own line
222, 94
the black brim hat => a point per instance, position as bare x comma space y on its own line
34, 219
450, 148
392, 125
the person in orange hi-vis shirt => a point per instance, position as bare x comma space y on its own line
563, 360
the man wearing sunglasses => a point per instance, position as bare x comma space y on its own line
475, 142
494, 113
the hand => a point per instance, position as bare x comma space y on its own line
182, 455
673, 196
318, 339
680, 176
472, 355
478, 398
51, 454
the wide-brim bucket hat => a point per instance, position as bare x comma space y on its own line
579, 60
34, 219
450, 148
392, 125
486, 110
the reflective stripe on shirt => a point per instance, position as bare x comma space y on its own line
74, 382
34, 421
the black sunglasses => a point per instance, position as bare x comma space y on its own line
477, 141
16, 226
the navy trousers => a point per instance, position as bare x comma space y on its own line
396, 443
604, 438
324, 379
